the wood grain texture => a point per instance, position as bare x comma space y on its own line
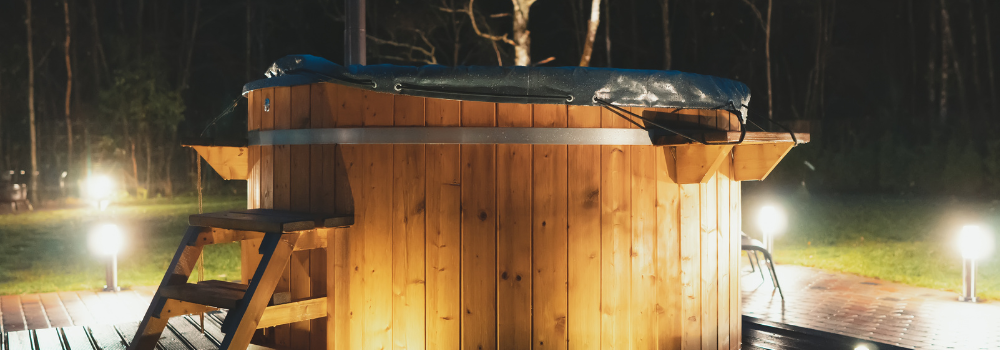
478, 247
249, 258
724, 253
548, 230
408, 219
299, 197
668, 254
478, 232
338, 326
281, 192
616, 245
351, 200
690, 229
378, 110
349, 176
549, 246
444, 240
267, 152
697, 163
709, 264
321, 200
755, 162
514, 233
502, 246
643, 274
736, 220
584, 235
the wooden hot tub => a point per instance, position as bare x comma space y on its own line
476, 233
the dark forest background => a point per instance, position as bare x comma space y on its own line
900, 95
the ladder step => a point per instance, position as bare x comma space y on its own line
218, 294
268, 220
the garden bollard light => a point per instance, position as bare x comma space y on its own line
772, 221
106, 239
974, 244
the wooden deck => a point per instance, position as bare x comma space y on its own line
68, 309
182, 332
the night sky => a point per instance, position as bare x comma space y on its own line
908, 81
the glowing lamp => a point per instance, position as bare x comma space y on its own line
99, 187
861, 347
107, 240
772, 222
974, 243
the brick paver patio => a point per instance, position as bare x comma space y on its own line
872, 309
65, 309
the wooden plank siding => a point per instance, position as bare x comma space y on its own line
514, 233
497, 246
584, 235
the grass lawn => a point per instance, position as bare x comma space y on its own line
47, 250
899, 239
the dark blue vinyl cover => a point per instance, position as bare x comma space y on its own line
519, 84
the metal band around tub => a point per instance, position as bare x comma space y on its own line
451, 135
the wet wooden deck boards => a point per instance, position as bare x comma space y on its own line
182, 333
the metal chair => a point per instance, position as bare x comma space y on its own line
753, 246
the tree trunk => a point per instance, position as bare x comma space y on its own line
138, 26
943, 96
522, 36
932, 66
149, 160
31, 109
588, 44
989, 56
767, 54
69, 88
249, 71
667, 55
186, 70
812, 88
456, 42
130, 142
607, 31
3, 139
97, 40
913, 57
121, 16
974, 43
168, 184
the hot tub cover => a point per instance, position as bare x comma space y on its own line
519, 84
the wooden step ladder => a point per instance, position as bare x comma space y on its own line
281, 232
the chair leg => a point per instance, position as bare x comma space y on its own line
149, 331
750, 259
759, 268
241, 322
774, 274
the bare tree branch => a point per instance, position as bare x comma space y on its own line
760, 19
428, 54
475, 27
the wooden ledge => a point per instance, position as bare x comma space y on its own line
716, 136
696, 163
756, 161
231, 162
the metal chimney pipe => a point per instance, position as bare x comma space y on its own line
354, 33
